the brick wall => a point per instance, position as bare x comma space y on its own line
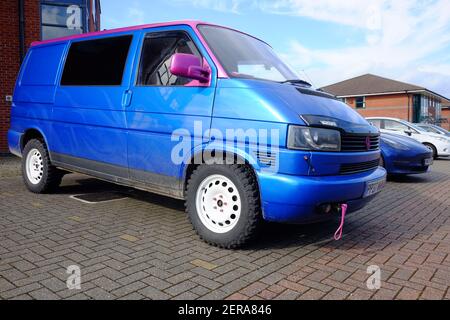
446, 115
385, 106
9, 52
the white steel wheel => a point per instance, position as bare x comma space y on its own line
218, 203
34, 166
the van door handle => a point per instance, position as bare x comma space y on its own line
126, 98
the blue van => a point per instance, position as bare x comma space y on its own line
192, 111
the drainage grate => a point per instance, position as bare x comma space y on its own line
98, 197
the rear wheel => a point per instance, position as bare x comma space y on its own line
38, 173
223, 205
432, 149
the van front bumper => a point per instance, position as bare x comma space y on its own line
297, 199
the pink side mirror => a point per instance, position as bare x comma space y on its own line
189, 66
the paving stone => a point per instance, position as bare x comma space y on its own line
408, 294
432, 294
203, 264
99, 294
144, 247
43, 294
154, 294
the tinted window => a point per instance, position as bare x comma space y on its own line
96, 62
157, 51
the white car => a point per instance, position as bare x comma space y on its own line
439, 144
434, 129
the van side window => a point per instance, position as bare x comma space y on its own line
157, 51
96, 62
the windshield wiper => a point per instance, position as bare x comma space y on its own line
298, 81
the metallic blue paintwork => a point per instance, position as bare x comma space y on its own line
403, 155
155, 112
276, 102
288, 198
131, 126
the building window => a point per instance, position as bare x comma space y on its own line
96, 62
438, 110
424, 109
60, 18
360, 102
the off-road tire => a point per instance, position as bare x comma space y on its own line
51, 176
250, 217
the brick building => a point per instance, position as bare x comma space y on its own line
446, 114
25, 21
372, 96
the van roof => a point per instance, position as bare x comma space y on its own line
191, 23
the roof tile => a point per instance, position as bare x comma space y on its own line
369, 84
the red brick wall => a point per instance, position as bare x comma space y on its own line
395, 106
446, 115
9, 52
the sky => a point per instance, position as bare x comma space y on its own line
325, 41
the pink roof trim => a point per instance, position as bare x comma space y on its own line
118, 30
192, 23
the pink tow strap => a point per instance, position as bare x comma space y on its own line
338, 233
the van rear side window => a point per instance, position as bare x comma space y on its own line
96, 62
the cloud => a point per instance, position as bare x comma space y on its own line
400, 43
441, 69
229, 6
400, 36
356, 13
136, 14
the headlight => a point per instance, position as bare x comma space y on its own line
315, 139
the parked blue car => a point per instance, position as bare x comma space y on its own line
197, 112
402, 155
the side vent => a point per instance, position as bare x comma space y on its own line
265, 158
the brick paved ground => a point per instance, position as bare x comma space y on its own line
143, 247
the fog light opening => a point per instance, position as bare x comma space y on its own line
325, 208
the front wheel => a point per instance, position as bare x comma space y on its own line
223, 205
432, 149
38, 173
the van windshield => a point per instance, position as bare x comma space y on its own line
243, 56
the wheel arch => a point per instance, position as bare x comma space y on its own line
240, 157
30, 134
435, 150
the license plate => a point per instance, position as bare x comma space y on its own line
428, 162
373, 187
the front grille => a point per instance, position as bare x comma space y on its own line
349, 168
358, 143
